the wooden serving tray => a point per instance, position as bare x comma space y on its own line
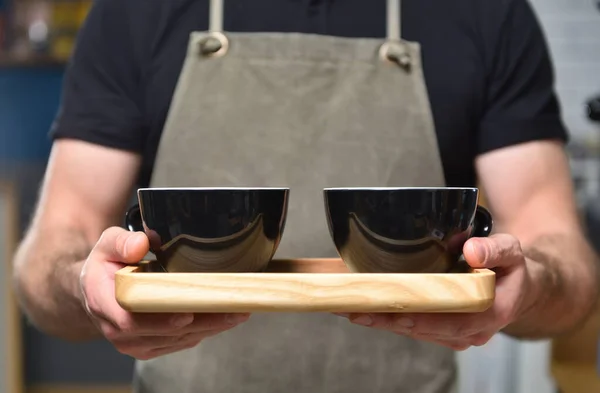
302, 285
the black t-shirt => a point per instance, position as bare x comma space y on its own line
486, 65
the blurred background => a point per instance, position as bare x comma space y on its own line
36, 39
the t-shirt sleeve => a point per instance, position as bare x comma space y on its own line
521, 103
100, 86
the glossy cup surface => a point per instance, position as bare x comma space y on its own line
211, 229
404, 230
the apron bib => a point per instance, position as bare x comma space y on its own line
307, 112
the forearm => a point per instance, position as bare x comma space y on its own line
563, 271
46, 281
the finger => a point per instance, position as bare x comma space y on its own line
114, 321
441, 326
147, 349
172, 324
144, 344
157, 352
438, 336
119, 323
216, 322
120, 245
211, 322
456, 345
499, 250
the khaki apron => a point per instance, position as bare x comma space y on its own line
307, 112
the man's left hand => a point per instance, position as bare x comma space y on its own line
515, 292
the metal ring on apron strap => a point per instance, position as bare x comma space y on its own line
394, 49
396, 53
215, 44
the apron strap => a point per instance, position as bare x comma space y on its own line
215, 23
394, 49
217, 43
393, 20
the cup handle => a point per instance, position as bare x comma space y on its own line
133, 219
483, 223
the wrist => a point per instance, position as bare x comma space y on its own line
54, 302
81, 325
555, 297
541, 282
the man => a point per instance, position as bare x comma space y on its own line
306, 94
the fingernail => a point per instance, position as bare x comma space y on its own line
404, 322
479, 251
364, 320
130, 242
234, 319
182, 320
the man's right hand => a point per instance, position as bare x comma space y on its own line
140, 335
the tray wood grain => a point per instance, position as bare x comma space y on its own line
302, 285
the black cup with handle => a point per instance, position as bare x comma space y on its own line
404, 230
211, 229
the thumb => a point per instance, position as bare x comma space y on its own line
120, 245
500, 250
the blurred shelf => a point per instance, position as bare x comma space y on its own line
32, 61
575, 378
63, 388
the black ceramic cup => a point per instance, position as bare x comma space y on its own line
404, 230
211, 229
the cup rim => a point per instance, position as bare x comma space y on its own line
400, 188
213, 189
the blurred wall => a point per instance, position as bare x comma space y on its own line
29, 99
572, 28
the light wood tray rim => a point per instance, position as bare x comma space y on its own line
135, 269
303, 290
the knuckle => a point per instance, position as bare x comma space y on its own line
461, 330
110, 332
120, 240
505, 318
147, 355
216, 322
127, 328
90, 306
113, 240
192, 344
480, 339
93, 307
125, 349
511, 244
459, 346
110, 233
185, 338
129, 347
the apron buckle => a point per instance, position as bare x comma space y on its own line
215, 44
396, 53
